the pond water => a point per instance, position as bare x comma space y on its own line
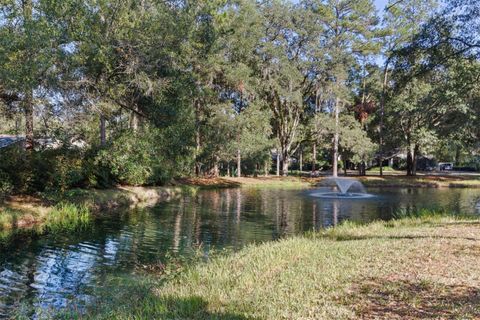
57, 272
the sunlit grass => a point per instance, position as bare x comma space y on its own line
62, 218
67, 216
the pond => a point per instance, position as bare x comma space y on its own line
58, 272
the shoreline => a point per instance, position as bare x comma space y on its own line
25, 212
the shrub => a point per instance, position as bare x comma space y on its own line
39, 171
6, 186
133, 159
16, 167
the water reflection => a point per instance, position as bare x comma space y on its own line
60, 272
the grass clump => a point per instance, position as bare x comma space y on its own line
8, 217
67, 217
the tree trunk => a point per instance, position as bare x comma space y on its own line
134, 121
344, 166
336, 138
216, 171
301, 161
314, 161
362, 169
239, 163
28, 100
409, 163
17, 125
382, 113
410, 160
415, 158
278, 162
457, 156
28, 109
228, 169
267, 162
103, 133
285, 166
197, 137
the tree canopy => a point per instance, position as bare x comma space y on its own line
140, 92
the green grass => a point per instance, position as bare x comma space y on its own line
421, 181
416, 267
8, 217
62, 218
67, 217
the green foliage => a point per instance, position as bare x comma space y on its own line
51, 169
129, 159
6, 186
196, 86
134, 159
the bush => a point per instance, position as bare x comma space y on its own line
6, 186
134, 160
15, 166
39, 171
148, 158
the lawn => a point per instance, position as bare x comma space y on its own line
413, 268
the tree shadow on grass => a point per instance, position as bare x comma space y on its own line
402, 299
196, 308
143, 302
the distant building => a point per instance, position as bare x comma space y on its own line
40, 143
7, 140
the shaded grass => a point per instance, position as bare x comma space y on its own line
411, 268
251, 182
273, 182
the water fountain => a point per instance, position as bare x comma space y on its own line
341, 188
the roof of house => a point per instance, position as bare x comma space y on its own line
6, 140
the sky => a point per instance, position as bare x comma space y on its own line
380, 4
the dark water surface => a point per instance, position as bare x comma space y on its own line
57, 272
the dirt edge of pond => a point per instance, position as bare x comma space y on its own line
23, 212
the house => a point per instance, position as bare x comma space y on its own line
7, 140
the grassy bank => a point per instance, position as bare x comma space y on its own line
390, 179
413, 268
251, 182
62, 217
74, 208
423, 181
